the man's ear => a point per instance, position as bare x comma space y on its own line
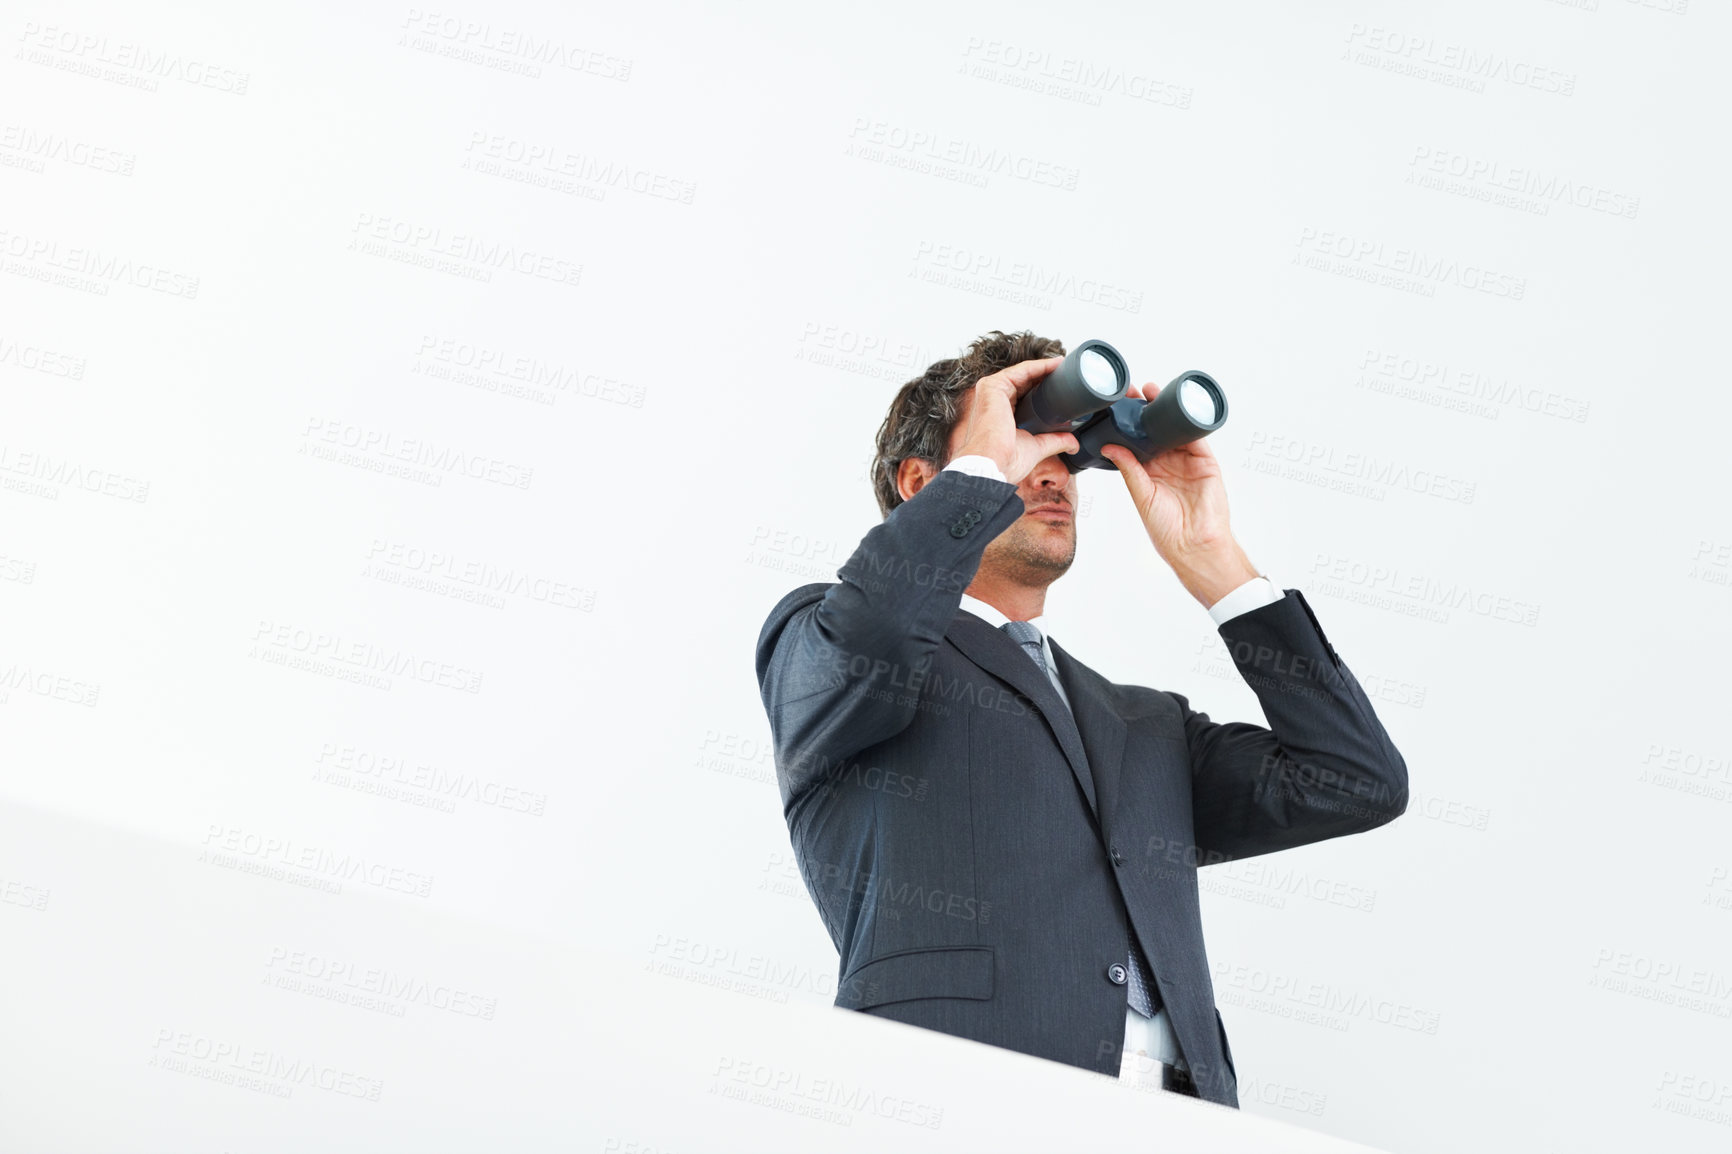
912, 475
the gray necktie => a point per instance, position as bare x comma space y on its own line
1140, 986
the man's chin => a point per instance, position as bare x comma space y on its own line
1053, 544
1033, 554
1049, 559
1055, 537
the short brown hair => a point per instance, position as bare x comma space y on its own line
927, 408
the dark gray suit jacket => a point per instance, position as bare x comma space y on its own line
979, 853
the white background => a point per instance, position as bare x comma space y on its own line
410, 416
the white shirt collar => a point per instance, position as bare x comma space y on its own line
997, 620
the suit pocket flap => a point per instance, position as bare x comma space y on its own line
935, 972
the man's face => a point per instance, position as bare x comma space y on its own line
1038, 548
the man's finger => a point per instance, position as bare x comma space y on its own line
1049, 444
1196, 448
1136, 479
1024, 375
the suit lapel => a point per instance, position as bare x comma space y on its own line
994, 651
1102, 731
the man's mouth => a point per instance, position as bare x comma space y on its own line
1051, 511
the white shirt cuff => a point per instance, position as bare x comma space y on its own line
1253, 594
976, 466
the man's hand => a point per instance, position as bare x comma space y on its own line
988, 424
1183, 503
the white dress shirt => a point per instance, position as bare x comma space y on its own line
1147, 1040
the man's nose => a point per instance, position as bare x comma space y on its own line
1050, 473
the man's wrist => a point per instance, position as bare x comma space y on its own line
1211, 576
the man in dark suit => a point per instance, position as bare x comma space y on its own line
1002, 843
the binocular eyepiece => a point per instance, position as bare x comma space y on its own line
1085, 396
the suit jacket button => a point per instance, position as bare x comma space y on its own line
1118, 858
959, 530
1117, 974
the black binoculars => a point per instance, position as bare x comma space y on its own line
1085, 396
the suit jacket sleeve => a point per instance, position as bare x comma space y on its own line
840, 671
1323, 768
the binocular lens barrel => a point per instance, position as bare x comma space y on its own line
1092, 377
1191, 407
